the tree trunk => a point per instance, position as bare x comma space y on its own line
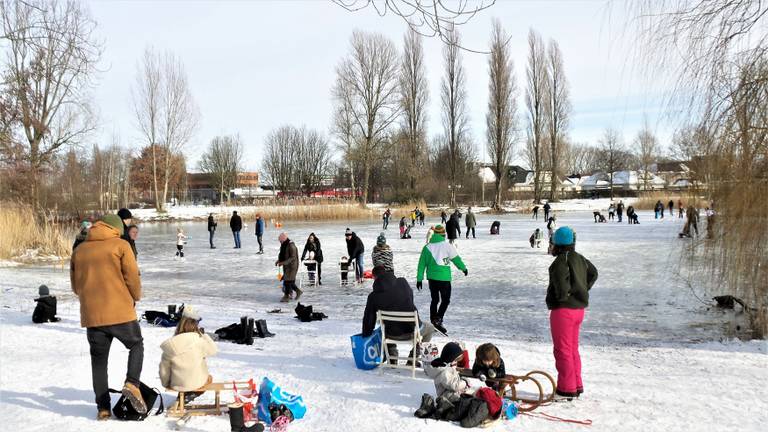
158, 204
366, 179
497, 199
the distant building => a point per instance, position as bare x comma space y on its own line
201, 186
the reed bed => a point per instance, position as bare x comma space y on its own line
30, 236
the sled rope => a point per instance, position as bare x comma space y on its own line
549, 417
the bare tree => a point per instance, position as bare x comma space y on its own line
51, 58
580, 158
279, 156
297, 160
558, 112
612, 156
166, 114
414, 97
344, 127
223, 162
501, 119
453, 95
367, 82
429, 18
537, 79
646, 149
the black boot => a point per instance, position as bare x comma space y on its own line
172, 310
427, 407
236, 418
443, 408
249, 332
244, 326
261, 327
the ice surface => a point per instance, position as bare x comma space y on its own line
652, 353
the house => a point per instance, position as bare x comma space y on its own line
624, 181
677, 175
201, 186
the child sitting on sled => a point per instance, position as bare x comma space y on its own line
453, 403
488, 364
183, 366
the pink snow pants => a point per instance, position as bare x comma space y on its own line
565, 324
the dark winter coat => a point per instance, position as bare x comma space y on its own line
390, 293
547, 207
620, 208
260, 226
470, 220
211, 224
236, 223
125, 237
452, 228
570, 278
45, 311
355, 246
313, 247
478, 368
289, 259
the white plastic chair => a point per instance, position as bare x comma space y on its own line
414, 341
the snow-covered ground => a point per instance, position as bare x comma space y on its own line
654, 356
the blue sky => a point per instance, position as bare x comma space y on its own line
254, 66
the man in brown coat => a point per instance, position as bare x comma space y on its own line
289, 259
105, 277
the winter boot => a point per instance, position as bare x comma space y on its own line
249, 332
104, 414
133, 394
244, 327
261, 326
172, 310
237, 420
298, 293
443, 408
438, 323
427, 407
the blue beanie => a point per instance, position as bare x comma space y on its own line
564, 236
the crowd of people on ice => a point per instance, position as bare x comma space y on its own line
105, 277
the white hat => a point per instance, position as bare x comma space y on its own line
190, 312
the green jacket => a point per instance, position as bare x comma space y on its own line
570, 278
470, 220
436, 258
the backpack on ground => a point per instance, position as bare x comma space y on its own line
123, 409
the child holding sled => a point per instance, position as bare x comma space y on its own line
570, 278
488, 364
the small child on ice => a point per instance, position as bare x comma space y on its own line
45, 311
311, 265
536, 238
181, 240
344, 267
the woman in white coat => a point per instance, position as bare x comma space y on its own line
183, 365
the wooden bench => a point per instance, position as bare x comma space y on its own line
509, 381
180, 409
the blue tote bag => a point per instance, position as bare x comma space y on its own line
367, 350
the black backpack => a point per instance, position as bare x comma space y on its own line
123, 409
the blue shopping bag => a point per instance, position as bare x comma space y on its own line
367, 350
270, 392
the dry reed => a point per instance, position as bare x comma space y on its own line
28, 237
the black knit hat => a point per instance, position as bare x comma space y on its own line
451, 351
124, 213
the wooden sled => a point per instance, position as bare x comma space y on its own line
180, 409
507, 388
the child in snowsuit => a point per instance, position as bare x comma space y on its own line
570, 278
45, 311
344, 267
488, 364
311, 265
181, 240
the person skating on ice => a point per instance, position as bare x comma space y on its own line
181, 240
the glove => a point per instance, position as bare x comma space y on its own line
482, 377
418, 285
466, 272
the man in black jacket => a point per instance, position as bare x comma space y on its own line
355, 249
453, 228
127, 219
211, 229
393, 294
236, 224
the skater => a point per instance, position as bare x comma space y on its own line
488, 364
571, 276
691, 222
402, 225
355, 249
289, 259
551, 225
535, 213
453, 228
212, 224
413, 217
496, 228
313, 246
85, 226
435, 260
382, 254
391, 293
106, 280
183, 366
632, 216
471, 222
547, 207
422, 215
536, 237
236, 224
443, 217
658, 210
709, 212
671, 206
597, 216
620, 210
127, 218
260, 232
385, 217
181, 240
680, 209
611, 211
45, 311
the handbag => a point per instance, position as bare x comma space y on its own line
123, 409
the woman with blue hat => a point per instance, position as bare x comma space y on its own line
570, 278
